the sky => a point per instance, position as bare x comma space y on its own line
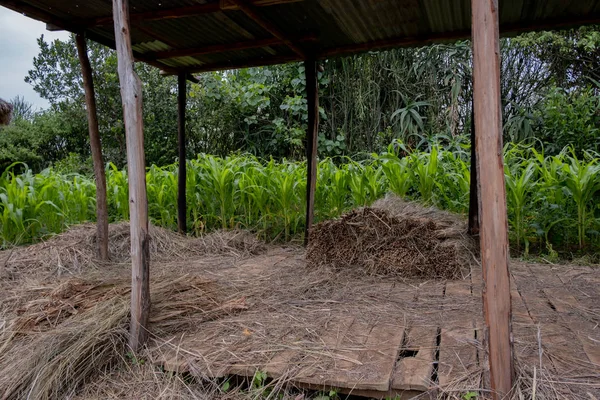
18, 47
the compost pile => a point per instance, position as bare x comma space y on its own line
394, 237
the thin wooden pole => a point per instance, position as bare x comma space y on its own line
181, 190
492, 194
96, 147
473, 198
131, 96
312, 99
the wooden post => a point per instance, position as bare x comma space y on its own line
492, 194
131, 96
473, 201
96, 146
181, 191
312, 99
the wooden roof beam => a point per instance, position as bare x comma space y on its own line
256, 62
219, 48
267, 25
186, 11
424, 40
223, 48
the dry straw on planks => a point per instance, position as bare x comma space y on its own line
66, 338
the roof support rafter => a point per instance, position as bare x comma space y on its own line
256, 62
219, 48
223, 48
187, 11
267, 25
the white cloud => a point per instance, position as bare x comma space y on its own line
18, 47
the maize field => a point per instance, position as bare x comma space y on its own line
553, 201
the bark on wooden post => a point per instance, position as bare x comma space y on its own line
181, 190
131, 96
473, 201
493, 220
312, 99
96, 146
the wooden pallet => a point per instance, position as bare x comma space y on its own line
409, 352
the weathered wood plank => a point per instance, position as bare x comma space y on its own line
414, 373
295, 360
558, 346
131, 96
364, 358
96, 147
525, 329
458, 347
493, 221
338, 355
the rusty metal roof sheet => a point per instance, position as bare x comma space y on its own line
202, 35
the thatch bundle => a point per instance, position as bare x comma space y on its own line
5, 112
394, 237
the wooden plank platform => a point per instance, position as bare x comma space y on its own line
381, 337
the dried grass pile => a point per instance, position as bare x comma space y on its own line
394, 237
5, 112
74, 251
75, 329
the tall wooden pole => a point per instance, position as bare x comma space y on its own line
131, 96
473, 198
493, 220
312, 99
96, 146
181, 190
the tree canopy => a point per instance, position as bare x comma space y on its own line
414, 96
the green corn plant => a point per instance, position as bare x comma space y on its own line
454, 185
162, 189
376, 185
269, 197
358, 184
397, 173
218, 176
582, 181
257, 190
117, 187
332, 190
425, 167
287, 189
520, 183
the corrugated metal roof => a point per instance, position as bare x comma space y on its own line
319, 28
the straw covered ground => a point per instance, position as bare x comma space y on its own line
64, 315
